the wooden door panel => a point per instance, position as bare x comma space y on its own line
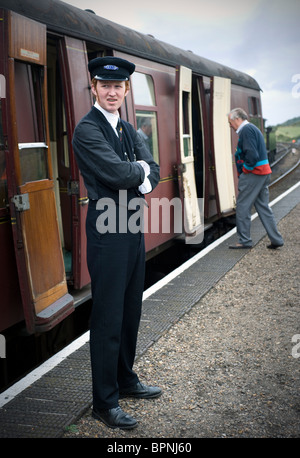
78, 101
42, 246
28, 41
192, 217
45, 297
220, 99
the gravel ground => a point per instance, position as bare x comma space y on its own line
229, 367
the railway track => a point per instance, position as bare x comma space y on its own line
288, 159
285, 169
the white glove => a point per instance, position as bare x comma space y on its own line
146, 186
145, 166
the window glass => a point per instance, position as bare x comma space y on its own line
186, 125
147, 129
253, 105
143, 89
33, 161
146, 120
30, 122
254, 111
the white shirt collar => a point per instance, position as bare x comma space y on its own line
111, 117
242, 125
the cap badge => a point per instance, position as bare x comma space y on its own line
111, 67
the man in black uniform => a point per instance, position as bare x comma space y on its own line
117, 170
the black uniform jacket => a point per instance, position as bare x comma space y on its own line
106, 164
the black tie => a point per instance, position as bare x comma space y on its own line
119, 129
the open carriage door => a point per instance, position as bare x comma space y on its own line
220, 107
77, 101
30, 185
186, 174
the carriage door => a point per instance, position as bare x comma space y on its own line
185, 156
31, 192
221, 144
77, 102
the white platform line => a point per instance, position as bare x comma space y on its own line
37, 373
45, 367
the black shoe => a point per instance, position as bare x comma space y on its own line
115, 418
274, 247
141, 391
240, 246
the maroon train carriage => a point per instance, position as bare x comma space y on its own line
45, 90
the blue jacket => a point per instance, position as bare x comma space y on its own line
251, 154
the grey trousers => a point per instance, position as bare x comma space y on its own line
253, 190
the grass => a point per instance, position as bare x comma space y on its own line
288, 131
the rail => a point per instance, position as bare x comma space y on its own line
284, 150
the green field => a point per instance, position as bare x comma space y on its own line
288, 131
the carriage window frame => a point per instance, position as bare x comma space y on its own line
253, 106
186, 132
143, 89
30, 102
146, 110
33, 161
31, 127
152, 141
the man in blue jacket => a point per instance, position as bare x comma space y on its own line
117, 170
254, 177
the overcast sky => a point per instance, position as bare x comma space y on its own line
259, 37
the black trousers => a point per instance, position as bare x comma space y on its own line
116, 263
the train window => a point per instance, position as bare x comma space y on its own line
29, 108
147, 129
143, 89
30, 122
3, 184
146, 111
253, 106
33, 161
186, 124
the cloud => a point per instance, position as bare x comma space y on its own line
260, 37
284, 104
